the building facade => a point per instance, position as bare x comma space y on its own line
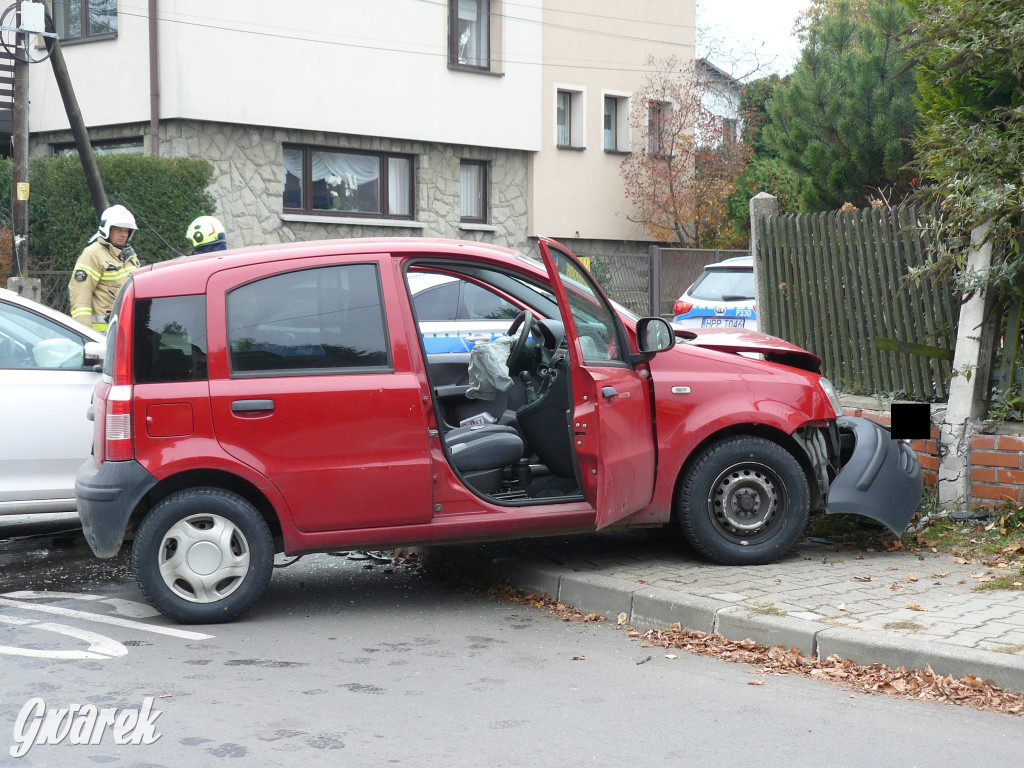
345, 119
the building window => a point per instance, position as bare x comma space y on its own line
658, 138
570, 121
473, 191
730, 130
469, 33
81, 19
616, 123
348, 182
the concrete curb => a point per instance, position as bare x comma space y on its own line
652, 607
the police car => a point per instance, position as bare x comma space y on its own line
454, 314
722, 297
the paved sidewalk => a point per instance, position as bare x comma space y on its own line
896, 608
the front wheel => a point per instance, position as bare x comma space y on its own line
744, 501
203, 556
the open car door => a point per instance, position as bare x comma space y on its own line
613, 417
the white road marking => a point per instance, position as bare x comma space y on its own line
100, 647
119, 622
131, 608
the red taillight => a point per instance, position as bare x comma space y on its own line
117, 427
681, 307
118, 442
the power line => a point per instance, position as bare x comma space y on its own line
302, 36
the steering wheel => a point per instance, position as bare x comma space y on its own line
522, 350
518, 352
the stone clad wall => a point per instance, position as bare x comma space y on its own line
248, 181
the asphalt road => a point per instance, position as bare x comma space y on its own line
345, 665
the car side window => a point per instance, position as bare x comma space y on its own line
28, 340
438, 304
170, 339
481, 304
325, 319
591, 316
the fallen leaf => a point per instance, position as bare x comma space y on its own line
841, 606
622, 619
915, 607
942, 575
671, 656
579, 658
911, 577
959, 561
641, 581
755, 682
896, 586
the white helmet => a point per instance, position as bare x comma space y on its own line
116, 216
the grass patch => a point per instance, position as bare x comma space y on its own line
994, 539
767, 609
1011, 581
913, 626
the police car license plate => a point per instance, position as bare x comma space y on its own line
723, 322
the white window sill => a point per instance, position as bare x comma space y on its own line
467, 227
353, 220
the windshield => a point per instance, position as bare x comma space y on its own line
724, 285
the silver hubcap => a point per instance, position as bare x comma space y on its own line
744, 499
204, 558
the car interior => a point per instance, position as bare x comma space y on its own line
505, 407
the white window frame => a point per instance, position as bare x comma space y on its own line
577, 115
623, 140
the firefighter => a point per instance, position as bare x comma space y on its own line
103, 267
206, 235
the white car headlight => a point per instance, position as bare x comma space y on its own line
832, 395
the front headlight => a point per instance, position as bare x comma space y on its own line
832, 395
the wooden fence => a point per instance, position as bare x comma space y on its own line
840, 286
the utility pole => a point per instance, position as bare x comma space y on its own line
78, 130
19, 172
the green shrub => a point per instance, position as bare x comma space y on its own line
165, 192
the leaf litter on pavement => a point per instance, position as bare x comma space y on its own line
918, 684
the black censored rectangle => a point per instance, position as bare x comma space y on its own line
911, 421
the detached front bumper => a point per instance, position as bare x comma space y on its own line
880, 480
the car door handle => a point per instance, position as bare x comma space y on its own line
476, 338
250, 406
609, 392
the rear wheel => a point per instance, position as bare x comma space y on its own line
203, 555
744, 501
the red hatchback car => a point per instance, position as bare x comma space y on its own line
279, 399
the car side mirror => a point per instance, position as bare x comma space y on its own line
93, 352
654, 334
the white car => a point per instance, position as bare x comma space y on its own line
722, 297
47, 376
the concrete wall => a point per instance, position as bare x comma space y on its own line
579, 193
375, 69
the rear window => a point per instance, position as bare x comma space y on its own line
170, 339
325, 319
724, 285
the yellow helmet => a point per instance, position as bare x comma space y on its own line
207, 234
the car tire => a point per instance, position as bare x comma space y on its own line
744, 501
203, 556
